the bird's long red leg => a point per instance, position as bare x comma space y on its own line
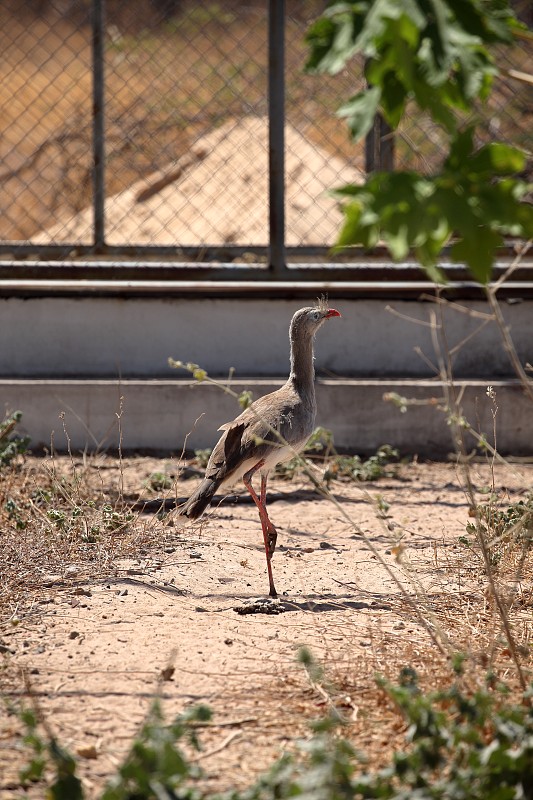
272, 532
266, 525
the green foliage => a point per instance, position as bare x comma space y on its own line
202, 456
64, 785
155, 767
466, 746
88, 521
370, 469
320, 442
460, 745
502, 528
435, 53
11, 446
159, 482
114, 519
245, 399
15, 513
516, 519
354, 467
310, 664
197, 372
474, 199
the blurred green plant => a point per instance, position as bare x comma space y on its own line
370, 469
459, 745
46, 752
15, 513
155, 769
437, 54
159, 481
11, 445
202, 456
502, 528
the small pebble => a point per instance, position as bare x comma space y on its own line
50, 580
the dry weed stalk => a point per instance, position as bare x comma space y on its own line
452, 404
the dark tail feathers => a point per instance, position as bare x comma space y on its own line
198, 502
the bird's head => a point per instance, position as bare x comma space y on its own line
308, 320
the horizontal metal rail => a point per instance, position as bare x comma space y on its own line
513, 291
378, 269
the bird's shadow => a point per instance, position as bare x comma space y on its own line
258, 605
164, 504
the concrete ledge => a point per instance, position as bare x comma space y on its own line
165, 415
103, 337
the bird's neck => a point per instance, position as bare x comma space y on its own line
302, 369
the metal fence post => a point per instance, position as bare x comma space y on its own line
98, 32
276, 134
379, 147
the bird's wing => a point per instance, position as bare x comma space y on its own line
226, 453
251, 435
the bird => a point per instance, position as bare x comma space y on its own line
268, 432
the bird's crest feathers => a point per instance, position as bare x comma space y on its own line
322, 303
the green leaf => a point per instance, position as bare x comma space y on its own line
461, 148
435, 50
393, 99
360, 111
494, 20
332, 40
497, 159
353, 232
478, 251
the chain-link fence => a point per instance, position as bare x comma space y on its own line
178, 126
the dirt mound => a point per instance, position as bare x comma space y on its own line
218, 194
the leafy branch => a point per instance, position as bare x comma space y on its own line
437, 54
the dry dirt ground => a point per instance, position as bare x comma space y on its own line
94, 638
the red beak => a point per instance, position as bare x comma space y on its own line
332, 312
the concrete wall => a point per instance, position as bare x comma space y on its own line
112, 337
66, 362
166, 416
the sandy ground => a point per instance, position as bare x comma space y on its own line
94, 649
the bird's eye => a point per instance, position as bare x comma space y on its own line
316, 315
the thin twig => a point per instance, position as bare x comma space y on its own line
222, 746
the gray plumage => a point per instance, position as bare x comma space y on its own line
250, 444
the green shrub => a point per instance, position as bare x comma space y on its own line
460, 745
11, 446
